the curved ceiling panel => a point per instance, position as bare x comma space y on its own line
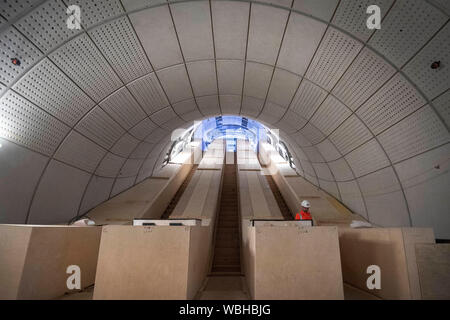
89, 112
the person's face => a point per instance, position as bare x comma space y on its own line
305, 209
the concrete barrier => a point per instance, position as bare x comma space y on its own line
34, 259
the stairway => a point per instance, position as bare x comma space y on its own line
173, 203
285, 211
227, 247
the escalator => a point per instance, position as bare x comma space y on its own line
227, 247
173, 203
285, 211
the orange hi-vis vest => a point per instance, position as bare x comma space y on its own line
303, 216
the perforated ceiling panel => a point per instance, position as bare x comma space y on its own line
110, 165
203, 77
351, 134
46, 26
407, 27
307, 99
125, 145
82, 62
394, 101
322, 119
367, 158
175, 82
97, 11
328, 150
123, 108
118, 42
143, 129
14, 45
230, 75
10, 9
149, 93
50, 89
24, 123
312, 133
291, 122
442, 105
283, 87
334, 55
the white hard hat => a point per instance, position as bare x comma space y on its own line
306, 204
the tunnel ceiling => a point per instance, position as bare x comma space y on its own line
88, 113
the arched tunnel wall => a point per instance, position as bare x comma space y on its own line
89, 112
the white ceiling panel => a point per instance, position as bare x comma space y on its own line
59, 194
176, 83
416, 134
80, 152
203, 77
230, 104
302, 37
120, 45
307, 99
155, 29
96, 193
131, 5
301, 140
85, 65
10, 9
163, 116
14, 45
157, 135
352, 16
384, 199
195, 38
123, 108
257, 80
251, 106
209, 105
351, 196
291, 122
328, 150
367, 158
149, 93
432, 82
442, 105
322, 9
122, 184
125, 145
130, 168
313, 134
46, 26
266, 31
355, 87
190, 116
98, 126
46, 86
143, 129
323, 172
341, 170
94, 12
407, 27
313, 154
335, 54
110, 165
142, 150
309, 171
20, 170
391, 103
230, 24
177, 122
185, 106
230, 76
25, 124
330, 115
283, 87
272, 112
330, 187
351, 134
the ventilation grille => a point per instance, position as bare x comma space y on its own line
122, 107
119, 44
432, 82
332, 58
367, 158
418, 133
49, 88
364, 77
330, 115
407, 27
13, 45
98, 126
24, 123
350, 135
46, 26
83, 63
308, 99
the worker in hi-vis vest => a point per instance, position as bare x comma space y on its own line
304, 213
